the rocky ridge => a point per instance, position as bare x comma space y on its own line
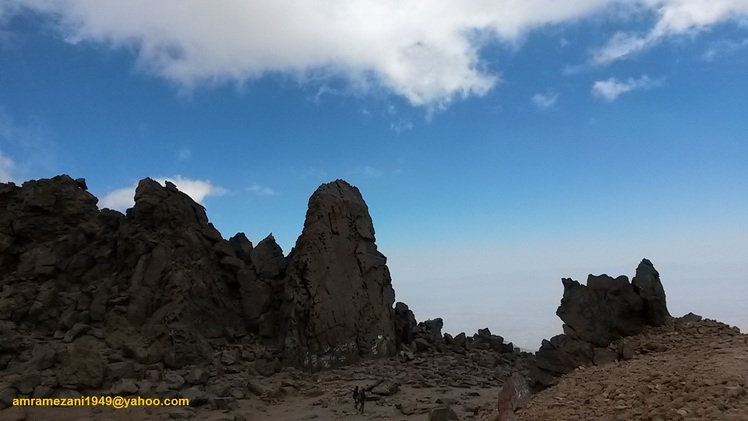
156, 302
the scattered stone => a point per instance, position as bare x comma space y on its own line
256, 388
124, 387
77, 330
43, 357
691, 318
386, 388
602, 356
442, 413
196, 396
26, 382
197, 375
173, 380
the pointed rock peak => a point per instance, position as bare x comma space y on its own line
156, 204
241, 245
268, 258
649, 287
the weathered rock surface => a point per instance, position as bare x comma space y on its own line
405, 324
93, 297
597, 317
602, 311
513, 395
338, 302
647, 284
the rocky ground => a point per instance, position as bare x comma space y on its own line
685, 370
402, 387
681, 371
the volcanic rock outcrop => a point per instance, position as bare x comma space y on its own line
96, 302
338, 302
156, 285
89, 296
598, 318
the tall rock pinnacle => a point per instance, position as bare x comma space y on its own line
339, 296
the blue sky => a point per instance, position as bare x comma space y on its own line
499, 145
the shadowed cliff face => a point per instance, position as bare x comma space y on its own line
339, 296
598, 317
160, 285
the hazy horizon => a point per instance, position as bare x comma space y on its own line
521, 305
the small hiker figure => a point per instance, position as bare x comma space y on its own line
355, 398
362, 398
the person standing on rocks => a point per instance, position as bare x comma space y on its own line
362, 398
355, 398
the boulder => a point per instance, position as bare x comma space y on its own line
386, 388
514, 395
442, 413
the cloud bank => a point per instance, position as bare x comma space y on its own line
124, 198
425, 51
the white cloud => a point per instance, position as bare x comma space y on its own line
33, 153
609, 90
425, 51
621, 45
544, 101
119, 199
198, 190
723, 47
401, 126
7, 167
261, 190
368, 171
675, 17
184, 154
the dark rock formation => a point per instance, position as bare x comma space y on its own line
602, 311
647, 284
154, 284
405, 324
157, 302
262, 286
597, 319
338, 302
